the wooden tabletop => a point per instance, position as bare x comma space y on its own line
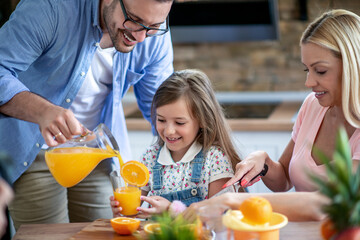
101, 230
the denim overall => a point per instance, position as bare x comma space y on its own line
187, 196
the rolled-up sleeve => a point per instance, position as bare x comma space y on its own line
22, 39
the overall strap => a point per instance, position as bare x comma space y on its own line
187, 196
197, 165
157, 176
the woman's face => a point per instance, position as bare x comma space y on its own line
324, 73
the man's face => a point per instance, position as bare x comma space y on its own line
147, 12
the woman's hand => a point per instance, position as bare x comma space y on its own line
6, 195
158, 205
248, 168
229, 200
115, 208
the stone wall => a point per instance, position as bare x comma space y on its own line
262, 65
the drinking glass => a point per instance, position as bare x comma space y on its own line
128, 196
211, 218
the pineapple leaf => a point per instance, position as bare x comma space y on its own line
342, 146
355, 184
355, 215
341, 185
176, 229
324, 188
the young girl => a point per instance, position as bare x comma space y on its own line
194, 156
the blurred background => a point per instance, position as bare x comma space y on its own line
250, 51
245, 65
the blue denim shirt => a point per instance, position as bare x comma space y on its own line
46, 47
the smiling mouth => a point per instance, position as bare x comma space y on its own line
128, 38
173, 139
319, 93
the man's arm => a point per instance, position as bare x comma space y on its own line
51, 118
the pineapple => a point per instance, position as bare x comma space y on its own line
176, 229
342, 188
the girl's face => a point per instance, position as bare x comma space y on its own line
176, 127
324, 74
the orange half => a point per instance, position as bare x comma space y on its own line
124, 225
152, 227
256, 210
135, 173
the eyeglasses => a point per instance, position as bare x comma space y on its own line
135, 26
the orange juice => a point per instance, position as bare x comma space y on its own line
70, 165
129, 199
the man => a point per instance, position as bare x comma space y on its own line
64, 67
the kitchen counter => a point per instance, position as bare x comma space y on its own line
101, 230
281, 118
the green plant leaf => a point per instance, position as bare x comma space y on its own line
341, 185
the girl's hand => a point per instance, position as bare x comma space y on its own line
115, 208
191, 213
248, 168
158, 205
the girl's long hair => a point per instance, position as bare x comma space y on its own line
196, 87
339, 31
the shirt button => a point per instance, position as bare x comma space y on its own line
25, 164
82, 73
193, 191
97, 44
37, 145
68, 100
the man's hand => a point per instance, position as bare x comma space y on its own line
56, 123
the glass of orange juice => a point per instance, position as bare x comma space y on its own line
127, 195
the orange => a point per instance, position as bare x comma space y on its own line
124, 225
135, 173
256, 210
152, 227
327, 229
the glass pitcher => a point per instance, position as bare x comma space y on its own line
72, 161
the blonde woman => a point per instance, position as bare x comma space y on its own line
330, 52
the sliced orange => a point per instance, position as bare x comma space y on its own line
124, 225
256, 210
152, 227
327, 229
135, 173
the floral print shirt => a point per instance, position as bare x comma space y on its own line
177, 175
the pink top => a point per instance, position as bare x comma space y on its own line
305, 129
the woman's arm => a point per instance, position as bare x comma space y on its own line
297, 206
276, 178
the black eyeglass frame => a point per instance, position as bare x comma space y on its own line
159, 30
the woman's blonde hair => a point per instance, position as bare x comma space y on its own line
196, 87
339, 31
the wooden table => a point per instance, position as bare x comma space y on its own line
293, 231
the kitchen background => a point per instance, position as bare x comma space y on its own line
250, 66
266, 75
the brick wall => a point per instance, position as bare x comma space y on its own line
263, 65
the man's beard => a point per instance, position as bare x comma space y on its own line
117, 35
